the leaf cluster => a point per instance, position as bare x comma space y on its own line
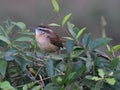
82, 62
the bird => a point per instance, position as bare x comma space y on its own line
47, 39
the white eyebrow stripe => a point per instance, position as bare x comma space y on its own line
44, 28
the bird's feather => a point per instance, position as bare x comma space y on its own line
54, 39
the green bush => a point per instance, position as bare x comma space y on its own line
81, 67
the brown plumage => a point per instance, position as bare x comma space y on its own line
47, 39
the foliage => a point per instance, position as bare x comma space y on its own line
81, 67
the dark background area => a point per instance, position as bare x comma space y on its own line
84, 13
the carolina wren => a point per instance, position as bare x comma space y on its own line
47, 39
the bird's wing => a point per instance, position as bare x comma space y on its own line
54, 39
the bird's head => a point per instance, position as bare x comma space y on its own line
40, 30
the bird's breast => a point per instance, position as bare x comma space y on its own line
45, 44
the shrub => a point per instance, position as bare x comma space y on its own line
81, 67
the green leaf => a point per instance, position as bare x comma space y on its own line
89, 62
116, 74
86, 40
9, 29
24, 39
101, 73
80, 32
66, 18
76, 52
80, 69
8, 22
4, 39
9, 55
9, 26
49, 67
98, 85
69, 45
55, 57
22, 61
6, 86
96, 78
108, 48
3, 66
4, 33
69, 77
70, 28
115, 48
36, 88
62, 67
2, 44
51, 86
59, 80
89, 77
110, 81
28, 86
98, 43
54, 24
55, 5
25, 87
114, 63
21, 25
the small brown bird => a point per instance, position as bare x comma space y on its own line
47, 39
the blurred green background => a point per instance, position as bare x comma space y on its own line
84, 13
